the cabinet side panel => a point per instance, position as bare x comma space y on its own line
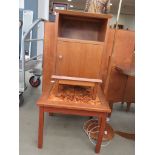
48, 55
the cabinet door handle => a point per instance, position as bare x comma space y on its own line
60, 57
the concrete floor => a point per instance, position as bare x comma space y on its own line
64, 135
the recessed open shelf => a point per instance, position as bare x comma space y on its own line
76, 27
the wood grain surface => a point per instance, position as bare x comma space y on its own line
79, 60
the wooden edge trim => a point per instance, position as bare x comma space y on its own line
84, 14
75, 79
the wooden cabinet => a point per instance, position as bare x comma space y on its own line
80, 44
74, 46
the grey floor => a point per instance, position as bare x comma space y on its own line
64, 135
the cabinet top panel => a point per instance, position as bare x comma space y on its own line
84, 14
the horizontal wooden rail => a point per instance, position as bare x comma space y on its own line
75, 79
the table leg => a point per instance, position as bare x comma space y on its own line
41, 126
102, 121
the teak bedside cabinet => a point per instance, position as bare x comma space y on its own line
74, 53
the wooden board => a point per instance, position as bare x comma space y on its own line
84, 14
76, 79
81, 41
76, 83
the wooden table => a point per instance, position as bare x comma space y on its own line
49, 103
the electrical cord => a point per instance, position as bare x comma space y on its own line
89, 131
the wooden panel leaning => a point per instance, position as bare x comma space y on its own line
117, 87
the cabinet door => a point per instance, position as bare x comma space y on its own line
79, 59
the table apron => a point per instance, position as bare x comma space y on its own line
74, 112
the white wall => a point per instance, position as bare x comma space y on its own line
43, 12
127, 20
21, 4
